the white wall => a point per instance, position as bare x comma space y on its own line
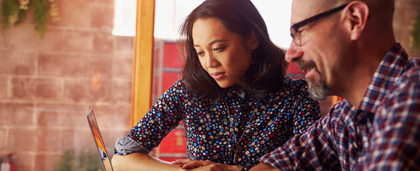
169, 15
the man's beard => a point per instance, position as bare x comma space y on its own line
317, 90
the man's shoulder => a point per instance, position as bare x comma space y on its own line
405, 88
410, 74
340, 105
339, 109
413, 64
415, 60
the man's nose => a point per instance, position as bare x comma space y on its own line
293, 53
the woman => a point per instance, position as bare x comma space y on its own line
233, 98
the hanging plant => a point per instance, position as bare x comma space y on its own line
13, 12
416, 33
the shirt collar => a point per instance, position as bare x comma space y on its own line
390, 68
234, 91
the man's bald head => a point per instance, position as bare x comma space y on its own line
381, 4
381, 9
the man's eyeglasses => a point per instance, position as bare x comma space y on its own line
297, 36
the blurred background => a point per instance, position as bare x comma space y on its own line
84, 60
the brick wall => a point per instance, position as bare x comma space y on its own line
48, 85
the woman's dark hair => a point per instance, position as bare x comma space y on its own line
240, 17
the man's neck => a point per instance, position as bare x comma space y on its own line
358, 80
358, 85
357, 90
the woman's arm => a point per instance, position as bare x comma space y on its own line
263, 167
141, 161
205, 165
131, 151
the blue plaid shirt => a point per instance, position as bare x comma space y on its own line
383, 133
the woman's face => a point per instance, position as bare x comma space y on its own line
223, 54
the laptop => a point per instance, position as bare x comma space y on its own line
100, 145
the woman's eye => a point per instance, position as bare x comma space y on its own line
219, 49
200, 54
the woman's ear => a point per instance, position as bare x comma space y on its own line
253, 41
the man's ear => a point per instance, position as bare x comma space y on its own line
253, 41
357, 14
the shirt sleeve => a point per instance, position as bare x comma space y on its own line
163, 117
312, 150
395, 143
307, 110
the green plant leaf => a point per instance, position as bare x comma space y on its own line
88, 161
68, 161
416, 33
8, 8
40, 16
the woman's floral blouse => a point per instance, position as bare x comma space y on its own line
214, 128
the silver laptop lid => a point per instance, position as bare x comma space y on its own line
97, 137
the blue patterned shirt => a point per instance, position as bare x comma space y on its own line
383, 133
214, 128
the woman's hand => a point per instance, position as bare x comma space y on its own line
191, 164
205, 165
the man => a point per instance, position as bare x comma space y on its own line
349, 50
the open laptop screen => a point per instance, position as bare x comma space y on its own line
97, 137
